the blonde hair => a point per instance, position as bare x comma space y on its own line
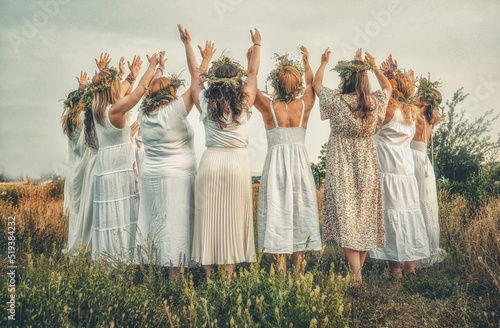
289, 79
105, 97
406, 89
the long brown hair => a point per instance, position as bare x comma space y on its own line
103, 98
431, 114
358, 83
71, 119
225, 100
405, 89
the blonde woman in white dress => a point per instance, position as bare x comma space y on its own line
287, 214
428, 101
223, 230
115, 197
168, 173
406, 236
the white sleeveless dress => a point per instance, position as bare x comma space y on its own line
115, 193
424, 172
223, 228
406, 235
287, 213
168, 172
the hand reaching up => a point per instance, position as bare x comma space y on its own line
184, 34
305, 54
359, 54
83, 80
370, 58
256, 38
325, 57
135, 67
208, 52
103, 61
154, 59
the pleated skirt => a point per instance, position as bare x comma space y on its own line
223, 227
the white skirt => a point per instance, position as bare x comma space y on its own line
426, 180
166, 220
223, 228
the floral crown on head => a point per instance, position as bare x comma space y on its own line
273, 78
86, 99
346, 68
163, 97
396, 93
108, 80
234, 81
428, 91
74, 97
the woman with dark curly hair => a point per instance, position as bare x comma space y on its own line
223, 230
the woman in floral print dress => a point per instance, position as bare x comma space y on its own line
352, 204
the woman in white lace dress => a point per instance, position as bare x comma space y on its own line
428, 100
115, 197
287, 213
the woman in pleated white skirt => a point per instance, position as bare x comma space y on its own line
223, 231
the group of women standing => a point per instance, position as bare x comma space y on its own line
375, 192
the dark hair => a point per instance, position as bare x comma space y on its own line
431, 114
71, 119
225, 99
358, 83
90, 134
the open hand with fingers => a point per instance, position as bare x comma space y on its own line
256, 38
184, 34
153, 60
209, 50
359, 54
325, 57
135, 67
370, 58
305, 54
83, 79
103, 61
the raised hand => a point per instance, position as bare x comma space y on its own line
325, 57
83, 80
162, 60
359, 54
393, 63
184, 34
411, 76
305, 54
370, 58
135, 67
103, 61
153, 60
208, 52
121, 66
256, 38
384, 66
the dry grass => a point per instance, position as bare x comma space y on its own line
464, 290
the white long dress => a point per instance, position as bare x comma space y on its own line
168, 172
287, 213
406, 235
424, 172
115, 193
223, 228
77, 161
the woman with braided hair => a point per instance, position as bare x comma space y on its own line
287, 214
406, 236
223, 229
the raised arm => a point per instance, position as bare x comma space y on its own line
318, 78
308, 96
126, 103
382, 79
250, 86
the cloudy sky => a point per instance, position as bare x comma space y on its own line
45, 44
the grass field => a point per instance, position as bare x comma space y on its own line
55, 291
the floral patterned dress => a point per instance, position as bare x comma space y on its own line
352, 202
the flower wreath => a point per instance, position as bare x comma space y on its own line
163, 97
428, 91
234, 81
346, 68
74, 97
87, 97
108, 80
273, 78
396, 93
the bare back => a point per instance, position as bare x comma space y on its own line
288, 115
423, 130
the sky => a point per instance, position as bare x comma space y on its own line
45, 44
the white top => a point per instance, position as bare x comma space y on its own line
232, 136
168, 141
